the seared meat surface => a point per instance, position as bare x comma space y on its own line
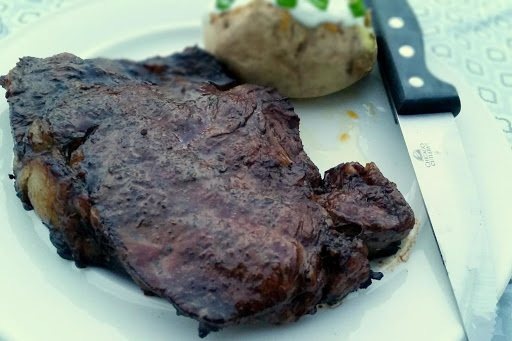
198, 189
363, 203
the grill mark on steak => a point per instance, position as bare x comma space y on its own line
198, 189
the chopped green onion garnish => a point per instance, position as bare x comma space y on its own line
357, 8
321, 4
224, 4
287, 3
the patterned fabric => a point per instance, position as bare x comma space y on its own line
15, 14
475, 38
472, 36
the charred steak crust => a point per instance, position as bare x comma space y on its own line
198, 189
365, 204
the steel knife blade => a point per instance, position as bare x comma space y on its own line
425, 109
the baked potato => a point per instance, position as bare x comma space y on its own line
262, 42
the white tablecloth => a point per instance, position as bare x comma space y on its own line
472, 36
475, 38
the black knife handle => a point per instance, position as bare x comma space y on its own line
413, 88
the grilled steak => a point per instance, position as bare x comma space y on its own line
363, 203
198, 189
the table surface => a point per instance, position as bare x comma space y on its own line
474, 37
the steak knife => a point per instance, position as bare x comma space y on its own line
425, 109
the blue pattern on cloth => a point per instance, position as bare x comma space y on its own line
474, 37
15, 14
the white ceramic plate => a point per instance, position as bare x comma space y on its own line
43, 297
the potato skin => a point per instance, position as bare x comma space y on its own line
264, 44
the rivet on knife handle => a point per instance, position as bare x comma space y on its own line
413, 88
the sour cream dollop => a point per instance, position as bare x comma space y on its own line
308, 12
